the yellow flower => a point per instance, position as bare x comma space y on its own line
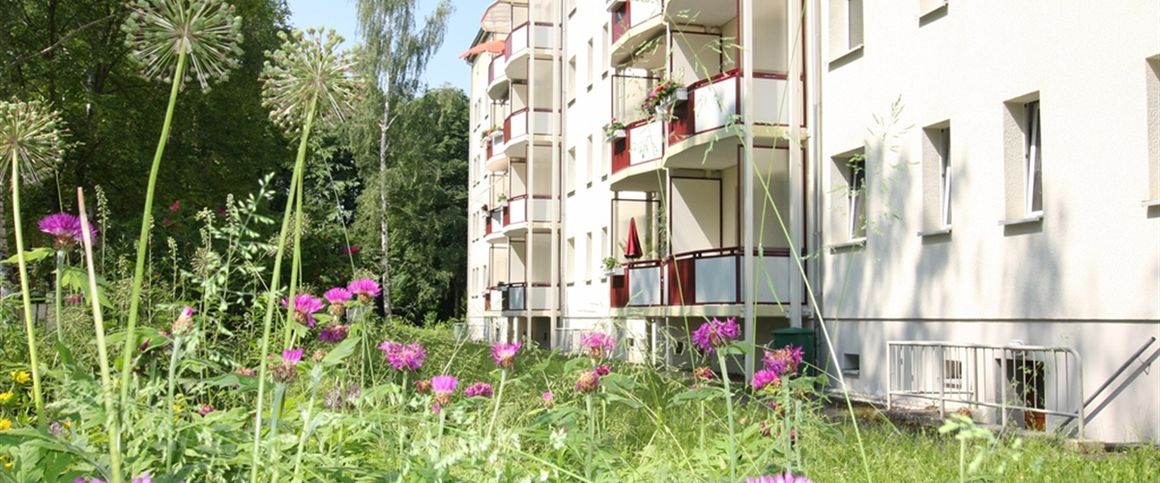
21, 377
6, 397
5, 424
178, 407
4, 461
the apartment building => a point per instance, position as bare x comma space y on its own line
963, 198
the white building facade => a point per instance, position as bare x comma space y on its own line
967, 203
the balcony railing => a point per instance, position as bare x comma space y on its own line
631, 13
522, 208
495, 68
519, 296
715, 103
704, 277
525, 121
517, 42
644, 142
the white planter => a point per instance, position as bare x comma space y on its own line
618, 134
681, 94
503, 204
614, 271
497, 138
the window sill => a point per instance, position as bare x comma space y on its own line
933, 12
847, 55
1150, 203
946, 230
855, 243
851, 372
1035, 217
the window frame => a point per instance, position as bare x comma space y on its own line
1033, 158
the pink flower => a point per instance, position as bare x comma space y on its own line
364, 288
337, 296
305, 306
716, 333
598, 344
333, 333
783, 361
505, 354
549, 399
205, 409
443, 386
65, 229
350, 250
786, 477
404, 357
479, 389
184, 323
74, 299
603, 370
763, 378
292, 356
702, 375
589, 381
176, 205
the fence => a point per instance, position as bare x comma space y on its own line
1037, 381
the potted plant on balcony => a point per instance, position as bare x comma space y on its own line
615, 130
612, 267
503, 201
492, 136
663, 96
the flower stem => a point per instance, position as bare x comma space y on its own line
56, 300
170, 435
495, 407
591, 435
275, 415
102, 349
295, 264
276, 277
304, 434
143, 239
729, 413
25, 295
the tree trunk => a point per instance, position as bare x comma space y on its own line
384, 204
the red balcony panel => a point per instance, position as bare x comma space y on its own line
489, 150
507, 129
681, 281
618, 290
681, 124
621, 155
621, 20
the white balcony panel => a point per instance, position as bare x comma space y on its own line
644, 286
518, 211
715, 104
542, 122
772, 277
539, 298
768, 98
495, 299
519, 39
643, 10
647, 143
716, 280
541, 209
519, 125
517, 297
544, 37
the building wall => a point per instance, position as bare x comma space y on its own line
1087, 276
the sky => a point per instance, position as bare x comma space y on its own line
444, 68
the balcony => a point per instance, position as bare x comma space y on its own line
517, 51
634, 24
497, 79
494, 225
497, 160
519, 297
522, 212
710, 277
635, 158
712, 119
521, 126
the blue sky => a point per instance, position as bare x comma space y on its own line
444, 68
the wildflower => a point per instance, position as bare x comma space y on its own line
364, 288
351, 250
245, 371
145, 478
207, 31
55, 428
21, 377
317, 356
404, 357
603, 370
702, 375
423, 386
205, 409
598, 344
786, 477
333, 333
549, 399
763, 378
338, 297
5, 424
287, 369
184, 323
505, 354
479, 389
5, 463
444, 387
716, 333
292, 356
178, 408
32, 134
305, 306
589, 381
65, 229
6, 397
783, 361
173, 208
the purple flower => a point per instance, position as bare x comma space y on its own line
702, 375
479, 389
783, 361
305, 306
716, 333
364, 288
145, 478
786, 477
205, 409
350, 250
443, 386
598, 344
292, 356
404, 357
184, 323
333, 334
65, 228
549, 399
589, 381
285, 370
603, 370
337, 296
763, 378
505, 354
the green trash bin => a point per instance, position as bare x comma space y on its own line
802, 337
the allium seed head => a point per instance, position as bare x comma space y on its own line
308, 70
207, 31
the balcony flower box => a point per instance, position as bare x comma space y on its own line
615, 130
497, 137
663, 96
493, 135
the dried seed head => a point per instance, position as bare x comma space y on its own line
207, 31
309, 67
30, 134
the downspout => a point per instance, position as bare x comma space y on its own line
747, 178
558, 207
530, 182
795, 24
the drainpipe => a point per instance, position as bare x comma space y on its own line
814, 124
557, 208
530, 184
796, 167
747, 181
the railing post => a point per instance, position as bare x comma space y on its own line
1003, 387
942, 382
889, 375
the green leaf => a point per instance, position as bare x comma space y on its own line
30, 256
341, 352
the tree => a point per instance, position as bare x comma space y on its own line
397, 54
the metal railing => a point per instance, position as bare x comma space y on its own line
1038, 381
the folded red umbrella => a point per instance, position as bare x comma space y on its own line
632, 248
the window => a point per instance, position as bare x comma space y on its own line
936, 178
851, 364
846, 28
590, 64
570, 262
604, 248
591, 166
849, 196
588, 246
570, 175
952, 374
927, 7
1023, 160
1154, 131
571, 81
